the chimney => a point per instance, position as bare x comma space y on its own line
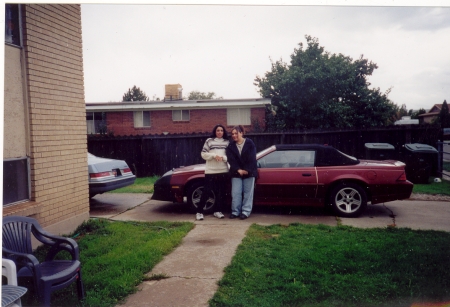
173, 92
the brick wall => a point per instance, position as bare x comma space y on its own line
121, 123
54, 70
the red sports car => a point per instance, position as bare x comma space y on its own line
302, 175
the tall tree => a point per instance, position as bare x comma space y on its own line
444, 115
415, 114
322, 90
399, 113
197, 95
134, 94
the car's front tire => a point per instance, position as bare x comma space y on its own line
194, 195
348, 199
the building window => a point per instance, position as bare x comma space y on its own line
238, 117
16, 180
141, 119
181, 115
12, 24
96, 122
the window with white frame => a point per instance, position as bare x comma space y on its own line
95, 122
141, 119
180, 115
238, 116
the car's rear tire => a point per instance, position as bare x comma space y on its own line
348, 199
194, 195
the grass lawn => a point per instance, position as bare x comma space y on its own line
115, 257
141, 185
317, 265
441, 188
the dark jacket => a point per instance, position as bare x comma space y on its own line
246, 160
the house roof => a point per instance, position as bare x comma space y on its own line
436, 108
176, 104
434, 111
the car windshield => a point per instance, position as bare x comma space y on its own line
264, 152
350, 157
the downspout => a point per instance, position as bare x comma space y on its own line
25, 95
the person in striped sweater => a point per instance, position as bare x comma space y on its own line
216, 171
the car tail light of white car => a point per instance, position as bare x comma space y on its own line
102, 174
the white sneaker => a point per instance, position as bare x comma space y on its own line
199, 216
219, 215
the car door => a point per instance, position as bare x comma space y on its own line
287, 178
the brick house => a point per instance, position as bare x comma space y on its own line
174, 116
45, 146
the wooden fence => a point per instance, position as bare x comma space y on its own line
155, 154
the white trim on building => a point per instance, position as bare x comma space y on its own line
176, 105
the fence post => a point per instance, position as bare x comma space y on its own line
440, 146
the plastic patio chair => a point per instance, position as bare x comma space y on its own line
11, 292
49, 275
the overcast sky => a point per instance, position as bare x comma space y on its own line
221, 49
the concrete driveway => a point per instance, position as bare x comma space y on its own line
412, 214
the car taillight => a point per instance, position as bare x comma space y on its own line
126, 170
402, 177
102, 174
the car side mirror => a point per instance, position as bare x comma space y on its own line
258, 165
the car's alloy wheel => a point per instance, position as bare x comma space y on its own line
195, 194
348, 200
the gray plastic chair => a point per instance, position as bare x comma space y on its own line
49, 275
11, 292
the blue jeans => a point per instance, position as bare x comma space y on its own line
242, 205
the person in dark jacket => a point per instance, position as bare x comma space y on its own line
241, 154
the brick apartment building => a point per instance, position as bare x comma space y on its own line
45, 150
174, 115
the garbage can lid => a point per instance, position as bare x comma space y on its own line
379, 146
416, 147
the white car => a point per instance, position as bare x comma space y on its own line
108, 174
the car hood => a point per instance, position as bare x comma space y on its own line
190, 168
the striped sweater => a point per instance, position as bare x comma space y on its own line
211, 149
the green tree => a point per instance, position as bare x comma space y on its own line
134, 94
415, 114
197, 95
444, 115
399, 113
322, 90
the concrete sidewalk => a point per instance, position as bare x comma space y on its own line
195, 267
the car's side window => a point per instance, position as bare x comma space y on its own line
288, 158
306, 158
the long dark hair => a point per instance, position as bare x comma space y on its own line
225, 134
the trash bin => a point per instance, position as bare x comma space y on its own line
421, 161
380, 151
